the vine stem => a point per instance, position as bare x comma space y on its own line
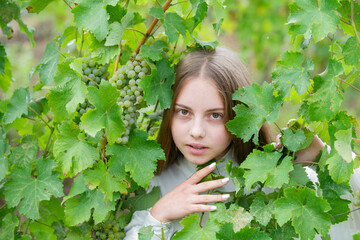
48, 143
135, 30
342, 80
156, 105
91, 80
353, 21
149, 30
103, 151
337, 215
67, 4
306, 162
40, 117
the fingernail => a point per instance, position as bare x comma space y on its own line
213, 208
225, 180
277, 145
225, 196
211, 166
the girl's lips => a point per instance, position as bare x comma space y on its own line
196, 149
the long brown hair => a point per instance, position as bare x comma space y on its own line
228, 73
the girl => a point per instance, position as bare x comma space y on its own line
192, 133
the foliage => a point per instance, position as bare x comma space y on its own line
55, 145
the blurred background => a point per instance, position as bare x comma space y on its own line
256, 29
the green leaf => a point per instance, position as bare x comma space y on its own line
200, 12
154, 51
25, 154
28, 192
4, 165
157, 12
79, 209
298, 176
192, 228
117, 29
263, 167
236, 174
261, 211
146, 233
17, 105
69, 92
99, 52
5, 70
340, 171
294, 141
77, 187
143, 201
106, 182
139, 157
9, 223
48, 63
351, 51
285, 232
106, 115
314, 18
72, 152
261, 106
36, 6
158, 84
92, 15
227, 233
356, 236
289, 73
236, 215
343, 144
173, 25
306, 211
207, 44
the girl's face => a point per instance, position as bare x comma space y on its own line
198, 124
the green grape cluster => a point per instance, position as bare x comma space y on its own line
111, 230
93, 71
84, 107
127, 79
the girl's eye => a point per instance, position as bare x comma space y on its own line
183, 112
216, 116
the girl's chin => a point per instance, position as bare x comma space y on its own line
197, 161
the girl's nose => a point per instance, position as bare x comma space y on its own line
197, 129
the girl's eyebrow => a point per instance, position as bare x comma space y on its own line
208, 110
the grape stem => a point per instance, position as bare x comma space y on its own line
337, 215
67, 4
342, 80
90, 80
148, 32
40, 117
135, 30
150, 122
103, 151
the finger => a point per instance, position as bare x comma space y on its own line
206, 186
202, 208
211, 198
199, 175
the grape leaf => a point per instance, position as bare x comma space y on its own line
36, 6
200, 10
351, 51
145, 233
25, 154
227, 233
340, 171
192, 228
99, 52
306, 211
5, 70
325, 102
261, 106
261, 211
92, 15
296, 141
262, 166
343, 144
77, 187
289, 73
235, 214
4, 165
117, 29
79, 209
158, 84
17, 105
173, 25
139, 157
314, 18
106, 115
72, 152
47, 65
298, 176
31, 191
105, 181
285, 232
69, 92
157, 12
236, 174
9, 223
356, 236
143, 201
154, 51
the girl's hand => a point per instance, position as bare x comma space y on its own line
185, 198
